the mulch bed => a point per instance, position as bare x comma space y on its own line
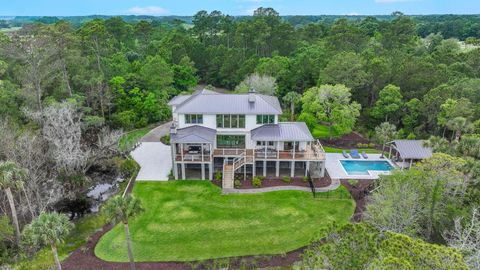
359, 192
346, 141
278, 182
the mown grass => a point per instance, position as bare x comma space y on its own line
192, 220
321, 132
329, 149
132, 137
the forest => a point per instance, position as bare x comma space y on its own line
70, 89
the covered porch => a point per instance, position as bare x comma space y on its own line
405, 152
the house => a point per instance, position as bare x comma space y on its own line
405, 152
239, 133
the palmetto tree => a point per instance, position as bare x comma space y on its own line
49, 229
293, 98
121, 209
384, 133
459, 125
12, 177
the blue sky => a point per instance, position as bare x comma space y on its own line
235, 7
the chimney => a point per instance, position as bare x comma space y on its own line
251, 95
173, 128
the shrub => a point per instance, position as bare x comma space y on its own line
165, 139
218, 175
353, 182
128, 167
237, 183
257, 181
305, 179
286, 179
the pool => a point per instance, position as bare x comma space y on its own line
362, 167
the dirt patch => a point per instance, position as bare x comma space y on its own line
359, 191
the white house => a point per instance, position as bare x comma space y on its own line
239, 133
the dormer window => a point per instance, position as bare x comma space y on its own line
265, 119
193, 119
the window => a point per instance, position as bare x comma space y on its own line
263, 143
230, 121
230, 141
265, 119
193, 119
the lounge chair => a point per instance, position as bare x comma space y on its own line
345, 155
364, 155
354, 153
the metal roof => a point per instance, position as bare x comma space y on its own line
194, 134
412, 149
288, 131
209, 102
178, 100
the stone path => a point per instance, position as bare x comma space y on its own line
334, 185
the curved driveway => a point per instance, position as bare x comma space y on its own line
153, 156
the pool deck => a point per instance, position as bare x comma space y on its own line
336, 170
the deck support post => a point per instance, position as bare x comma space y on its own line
411, 162
210, 170
254, 168
322, 171
202, 165
265, 168
307, 167
293, 150
183, 171
175, 170
292, 169
277, 168
181, 151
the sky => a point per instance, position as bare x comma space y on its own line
234, 7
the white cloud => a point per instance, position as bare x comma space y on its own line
151, 10
353, 14
393, 1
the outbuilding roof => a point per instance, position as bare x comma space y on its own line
288, 131
412, 149
209, 102
194, 134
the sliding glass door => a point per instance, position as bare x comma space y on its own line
231, 141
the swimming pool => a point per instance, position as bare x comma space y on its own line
361, 167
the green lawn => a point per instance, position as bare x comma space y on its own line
321, 132
329, 149
131, 137
191, 220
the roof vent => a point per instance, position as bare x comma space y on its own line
251, 95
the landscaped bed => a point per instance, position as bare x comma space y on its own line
279, 181
192, 220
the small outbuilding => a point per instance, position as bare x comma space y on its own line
405, 152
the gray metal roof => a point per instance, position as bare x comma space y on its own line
289, 131
205, 102
182, 98
194, 134
412, 149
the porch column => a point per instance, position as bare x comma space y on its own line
390, 152
307, 167
254, 168
277, 168
201, 150
278, 151
210, 170
293, 149
202, 165
411, 161
183, 171
265, 168
292, 169
403, 163
181, 151
322, 171
175, 170
265, 142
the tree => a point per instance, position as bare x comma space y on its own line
458, 125
331, 105
49, 229
262, 84
412, 113
293, 98
388, 103
122, 209
158, 76
453, 108
11, 177
466, 237
385, 132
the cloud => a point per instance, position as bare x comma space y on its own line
151, 10
393, 1
353, 14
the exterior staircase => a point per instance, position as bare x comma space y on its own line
229, 169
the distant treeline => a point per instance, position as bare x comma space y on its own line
450, 26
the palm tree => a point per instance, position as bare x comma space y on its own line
121, 209
49, 229
293, 98
384, 133
459, 125
12, 177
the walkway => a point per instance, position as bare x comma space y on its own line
154, 157
334, 185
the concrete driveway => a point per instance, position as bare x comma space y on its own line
154, 157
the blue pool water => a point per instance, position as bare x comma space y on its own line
361, 167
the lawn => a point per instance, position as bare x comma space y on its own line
192, 220
329, 149
132, 137
321, 132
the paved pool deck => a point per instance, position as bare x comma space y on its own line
336, 170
